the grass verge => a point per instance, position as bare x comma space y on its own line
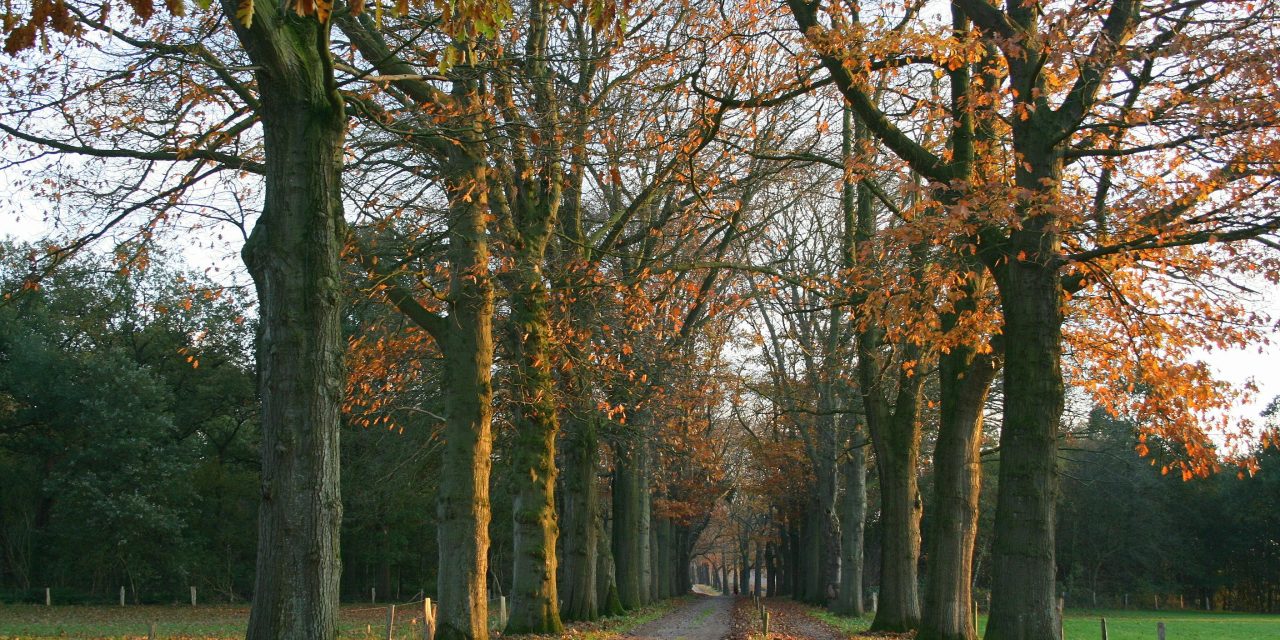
356, 622
847, 625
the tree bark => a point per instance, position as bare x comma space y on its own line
580, 502
534, 602
293, 257
626, 522
853, 515
966, 377
770, 561
1023, 598
463, 504
900, 510
645, 509
827, 519
895, 434
606, 576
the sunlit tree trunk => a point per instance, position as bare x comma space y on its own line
463, 502
965, 378
534, 601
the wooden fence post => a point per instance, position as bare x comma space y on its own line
122, 596
151, 631
193, 596
48, 598
391, 620
1061, 606
1160, 630
502, 612
1104, 629
765, 623
373, 595
428, 624
875, 602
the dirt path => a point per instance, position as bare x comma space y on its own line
702, 618
792, 620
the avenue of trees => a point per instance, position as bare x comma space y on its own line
579, 303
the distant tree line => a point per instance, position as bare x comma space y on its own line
1126, 528
128, 446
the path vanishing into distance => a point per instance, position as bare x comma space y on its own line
712, 618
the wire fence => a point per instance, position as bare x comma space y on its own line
411, 620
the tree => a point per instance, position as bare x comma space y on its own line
118, 386
293, 257
1054, 107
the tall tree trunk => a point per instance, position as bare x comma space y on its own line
535, 604
795, 570
895, 433
535, 182
900, 510
770, 561
827, 565
655, 555
606, 575
645, 508
463, 501
853, 515
966, 378
578, 563
626, 521
293, 257
1022, 554
759, 571
815, 533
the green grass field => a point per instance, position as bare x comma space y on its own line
32, 621
357, 622
1179, 625
1135, 625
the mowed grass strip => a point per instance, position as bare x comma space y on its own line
175, 622
1130, 625
1179, 625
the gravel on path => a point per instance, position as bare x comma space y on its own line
701, 618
